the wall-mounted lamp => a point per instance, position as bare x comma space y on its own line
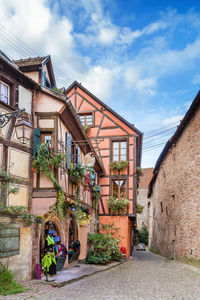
23, 127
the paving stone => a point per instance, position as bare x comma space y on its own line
146, 277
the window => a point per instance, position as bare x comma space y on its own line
86, 119
46, 138
119, 151
4, 92
119, 189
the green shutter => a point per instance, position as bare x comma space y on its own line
36, 141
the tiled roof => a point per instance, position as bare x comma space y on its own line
30, 61
146, 178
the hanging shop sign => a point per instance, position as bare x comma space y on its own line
89, 160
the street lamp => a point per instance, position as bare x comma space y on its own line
23, 127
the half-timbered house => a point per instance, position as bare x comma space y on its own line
57, 124
16, 92
115, 140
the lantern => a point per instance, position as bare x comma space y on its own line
23, 130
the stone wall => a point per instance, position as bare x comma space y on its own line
19, 264
143, 218
175, 203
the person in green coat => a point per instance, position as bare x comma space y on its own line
49, 259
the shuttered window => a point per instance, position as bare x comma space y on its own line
9, 241
36, 141
68, 146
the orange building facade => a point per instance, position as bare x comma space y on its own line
114, 139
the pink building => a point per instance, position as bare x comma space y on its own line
114, 140
56, 124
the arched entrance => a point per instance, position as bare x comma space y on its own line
74, 244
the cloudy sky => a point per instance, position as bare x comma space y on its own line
141, 57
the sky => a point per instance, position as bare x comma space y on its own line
141, 57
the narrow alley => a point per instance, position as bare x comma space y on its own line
147, 276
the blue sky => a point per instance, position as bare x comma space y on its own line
140, 57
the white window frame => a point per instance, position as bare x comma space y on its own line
2, 82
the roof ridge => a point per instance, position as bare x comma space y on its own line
29, 58
105, 105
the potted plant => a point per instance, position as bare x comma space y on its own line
139, 208
77, 173
117, 205
118, 166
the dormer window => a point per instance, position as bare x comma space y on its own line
4, 92
86, 119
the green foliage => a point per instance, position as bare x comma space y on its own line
10, 182
144, 235
82, 213
77, 171
60, 91
118, 165
96, 192
109, 228
86, 128
94, 257
103, 249
117, 205
60, 203
190, 260
8, 285
139, 208
45, 161
17, 211
139, 173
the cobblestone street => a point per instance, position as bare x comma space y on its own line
147, 276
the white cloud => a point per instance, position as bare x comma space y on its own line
107, 35
135, 80
99, 56
99, 80
173, 119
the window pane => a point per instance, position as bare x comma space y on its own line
89, 119
123, 145
116, 158
81, 119
123, 157
115, 145
122, 188
115, 152
4, 99
47, 139
115, 189
4, 92
123, 151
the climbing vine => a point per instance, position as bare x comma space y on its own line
10, 182
46, 161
